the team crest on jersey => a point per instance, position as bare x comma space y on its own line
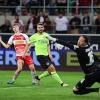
20, 37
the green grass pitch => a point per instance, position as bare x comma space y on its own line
48, 89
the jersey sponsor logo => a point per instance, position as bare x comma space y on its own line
19, 42
42, 41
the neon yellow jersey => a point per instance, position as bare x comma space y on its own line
40, 42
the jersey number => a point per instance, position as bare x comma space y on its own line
91, 59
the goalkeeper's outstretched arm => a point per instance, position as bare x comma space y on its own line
51, 38
67, 44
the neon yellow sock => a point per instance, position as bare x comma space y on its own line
44, 74
56, 77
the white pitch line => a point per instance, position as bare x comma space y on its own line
16, 87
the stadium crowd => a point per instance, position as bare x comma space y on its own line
77, 21
74, 25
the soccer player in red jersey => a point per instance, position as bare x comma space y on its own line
20, 40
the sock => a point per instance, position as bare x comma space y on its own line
56, 77
33, 73
44, 74
13, 79
16, 75
93, 89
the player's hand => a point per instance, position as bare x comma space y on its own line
58, 46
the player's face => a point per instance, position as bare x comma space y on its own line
81, 42
16, 28
40, 28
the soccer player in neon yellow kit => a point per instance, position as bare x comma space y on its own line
42, 49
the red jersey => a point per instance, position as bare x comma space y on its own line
19, 41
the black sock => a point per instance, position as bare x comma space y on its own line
36, 77
93, 89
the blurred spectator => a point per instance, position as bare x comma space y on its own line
61, 24
31, 24
13, 3
40, 17
28, 6
86, 23
25, 2
61, 4
97, 5
51, 6
17, 20
97, 23
72, 4
18, 10
3, 2
47, 24
95, 2
6, 27
41, 2
30, 2
85, 2
74, 24
77, 6
26, 11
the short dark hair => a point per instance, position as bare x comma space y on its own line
86, 39
40, 24
16, 24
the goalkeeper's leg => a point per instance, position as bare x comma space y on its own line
83, 86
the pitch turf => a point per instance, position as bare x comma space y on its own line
48, 89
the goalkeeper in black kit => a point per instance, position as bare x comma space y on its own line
88, 62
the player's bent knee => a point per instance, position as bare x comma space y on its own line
19, 69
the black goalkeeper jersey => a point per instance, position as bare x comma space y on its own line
85, 55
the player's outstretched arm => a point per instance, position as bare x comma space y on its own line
67, 44
51, 38
4, 44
